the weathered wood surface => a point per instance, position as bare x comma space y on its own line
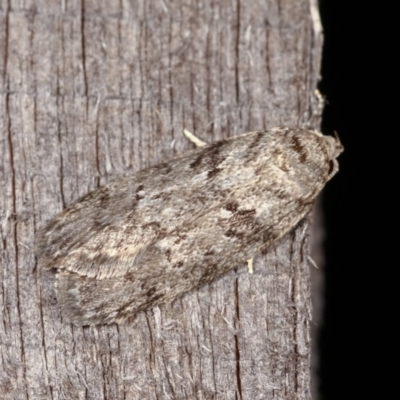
93, 90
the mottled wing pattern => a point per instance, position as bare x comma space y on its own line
146, 239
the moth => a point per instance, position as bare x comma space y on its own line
145, 239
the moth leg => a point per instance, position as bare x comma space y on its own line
250, 265
194, 139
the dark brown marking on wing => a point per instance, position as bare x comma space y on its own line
232, 206
298, 147
213, 172
179, 264
256, 140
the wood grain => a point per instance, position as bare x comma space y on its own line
92, 90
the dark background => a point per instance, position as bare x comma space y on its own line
347, 84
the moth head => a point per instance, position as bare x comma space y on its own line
334, 148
